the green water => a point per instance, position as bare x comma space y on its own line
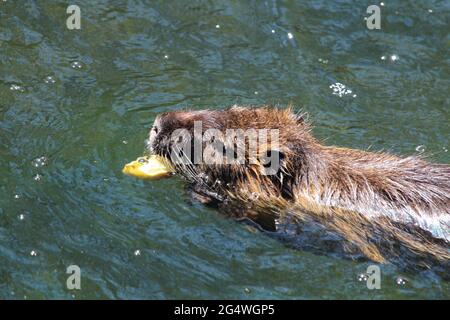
135, 239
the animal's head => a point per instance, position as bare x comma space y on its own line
264, 146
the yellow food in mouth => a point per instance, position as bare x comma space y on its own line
151, 168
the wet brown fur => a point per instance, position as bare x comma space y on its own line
339, 188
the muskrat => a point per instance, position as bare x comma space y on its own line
366, 204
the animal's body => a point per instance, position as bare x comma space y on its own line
380, 205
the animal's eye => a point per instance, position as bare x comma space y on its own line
142, 160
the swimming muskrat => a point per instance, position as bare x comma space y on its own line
371, 204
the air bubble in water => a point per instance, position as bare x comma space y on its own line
16, 87
363, 277
340, 89
33, 253
39, 162
49, 80
76, 65
401, 281
37, 177
420, 149
21, 216
137, 252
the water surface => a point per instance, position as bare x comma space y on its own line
134, 59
